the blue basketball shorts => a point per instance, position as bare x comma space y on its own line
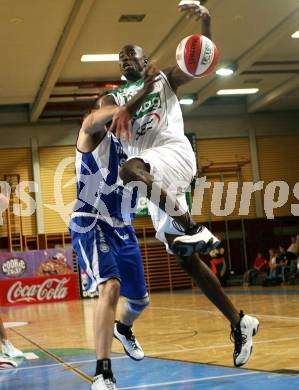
105, 252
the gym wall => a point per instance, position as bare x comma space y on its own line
219, 138
219, 151
18, 161
279, 160
50, 158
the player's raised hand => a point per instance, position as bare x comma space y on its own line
121, 124
192, 8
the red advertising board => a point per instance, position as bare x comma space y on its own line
43, 289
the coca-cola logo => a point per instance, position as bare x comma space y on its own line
48, 290
14, 267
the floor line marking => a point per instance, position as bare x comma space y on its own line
37, 367
68, 363
76, 371
155, 354
30, 356
193, 380
221, 346
280, 318
9, 325
273, 317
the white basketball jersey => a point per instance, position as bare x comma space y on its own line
158, 121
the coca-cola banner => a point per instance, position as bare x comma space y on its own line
42, 289
36, 263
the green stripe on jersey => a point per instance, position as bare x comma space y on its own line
128, 90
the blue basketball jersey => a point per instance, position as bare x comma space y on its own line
99, 189
106, 247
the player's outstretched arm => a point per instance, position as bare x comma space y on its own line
93, 128
95, 122
192, 9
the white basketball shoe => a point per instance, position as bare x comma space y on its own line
6, 363
100, 383
130, 344
197, 239
242, 336
9, 350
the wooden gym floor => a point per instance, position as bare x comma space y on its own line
176, 331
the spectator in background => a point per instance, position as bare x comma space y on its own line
218, 264
260, 264
274, 278
294, 247
284, 260
273, 265
293, 253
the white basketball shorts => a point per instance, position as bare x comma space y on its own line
173, 165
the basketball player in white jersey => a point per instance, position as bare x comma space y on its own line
106, 245
146, 111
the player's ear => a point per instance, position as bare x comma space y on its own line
145, 61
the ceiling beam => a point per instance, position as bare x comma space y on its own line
89, 84
270, 71
275, 94
159, 51
275, 63
249, 57
70, 33
164, 50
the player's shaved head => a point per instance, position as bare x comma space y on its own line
132, 62
138, 50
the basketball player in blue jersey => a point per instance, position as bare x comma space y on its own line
147, 113
106, 245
